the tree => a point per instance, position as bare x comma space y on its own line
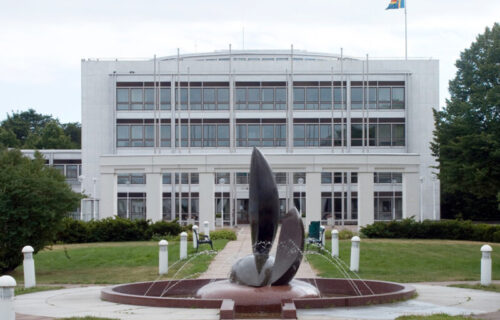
33, 200
31, 130
467, 135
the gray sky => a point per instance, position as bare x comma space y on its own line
42, 42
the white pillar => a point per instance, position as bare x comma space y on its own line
163, 257
335, 243
108, 204
355, 254
411, 195
195, 230
183, 246
486, 265
366, 208
323, 235
207, 199
7, 285
313, 197
206, 228
29, 267
154, 197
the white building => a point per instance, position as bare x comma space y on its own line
348, 139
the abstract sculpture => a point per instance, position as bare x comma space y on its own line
260, 269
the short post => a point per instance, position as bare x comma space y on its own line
355, 253
29, 267
335, 243
163, 257
183, 246
323, 235
206, 228
486, 265
195, 233
7, 285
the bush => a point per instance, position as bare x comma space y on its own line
344, 234
223, 234
163, 228
428, 229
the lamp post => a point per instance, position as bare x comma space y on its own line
221, 182
301, 183
393, 202
421, 198
434, 215
94, 180
81, 178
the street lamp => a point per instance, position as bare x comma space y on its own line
221, 182
393, 180
301, 184
80, 179
421, 198
434, 215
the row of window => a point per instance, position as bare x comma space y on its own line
261, 98
70, 171
263, 135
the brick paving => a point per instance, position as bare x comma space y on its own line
27, 317
221, 265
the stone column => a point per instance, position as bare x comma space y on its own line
313, 197
154, 196
207, 200
366, 208
108, 202
411, 197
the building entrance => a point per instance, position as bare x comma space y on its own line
242, 211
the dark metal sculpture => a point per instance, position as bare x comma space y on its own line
259, 269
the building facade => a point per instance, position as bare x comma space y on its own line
348, 139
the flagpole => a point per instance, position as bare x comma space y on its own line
406, 32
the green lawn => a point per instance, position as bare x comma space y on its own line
440, 316
492, 287
411, 260
108, 263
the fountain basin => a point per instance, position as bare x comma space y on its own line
183, 294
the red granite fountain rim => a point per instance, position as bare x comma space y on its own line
385, 292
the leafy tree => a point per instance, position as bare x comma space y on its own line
33, 200
31, 130
467, 135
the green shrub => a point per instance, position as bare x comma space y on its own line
428, 229
73, 231
164, 228
346, 234
223, 234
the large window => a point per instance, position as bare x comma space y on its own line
378, 134
135, 135
142, 98
71, 171
132, 206
203, 135
186, 207
203, 98
265, 97
131, 178
377, 97
388, 177
260, 135
388, 205
319, 97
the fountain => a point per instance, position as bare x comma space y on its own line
260, 284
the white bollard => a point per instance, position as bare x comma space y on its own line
29, 267
335, 243
206, 228
7, 285
183, 247
355, 253
323, 235
486, 265
195, 230
163, 257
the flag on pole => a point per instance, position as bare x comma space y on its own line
396, 4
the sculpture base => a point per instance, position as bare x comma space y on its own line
257, 299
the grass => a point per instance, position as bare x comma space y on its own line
20, 290
109, 263
492, 287
411, 260
440, 316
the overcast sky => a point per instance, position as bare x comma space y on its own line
42, 42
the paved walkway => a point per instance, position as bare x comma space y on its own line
234, 250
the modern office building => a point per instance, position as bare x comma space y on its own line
348, 139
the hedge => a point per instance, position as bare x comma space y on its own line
429, 229
117, 229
